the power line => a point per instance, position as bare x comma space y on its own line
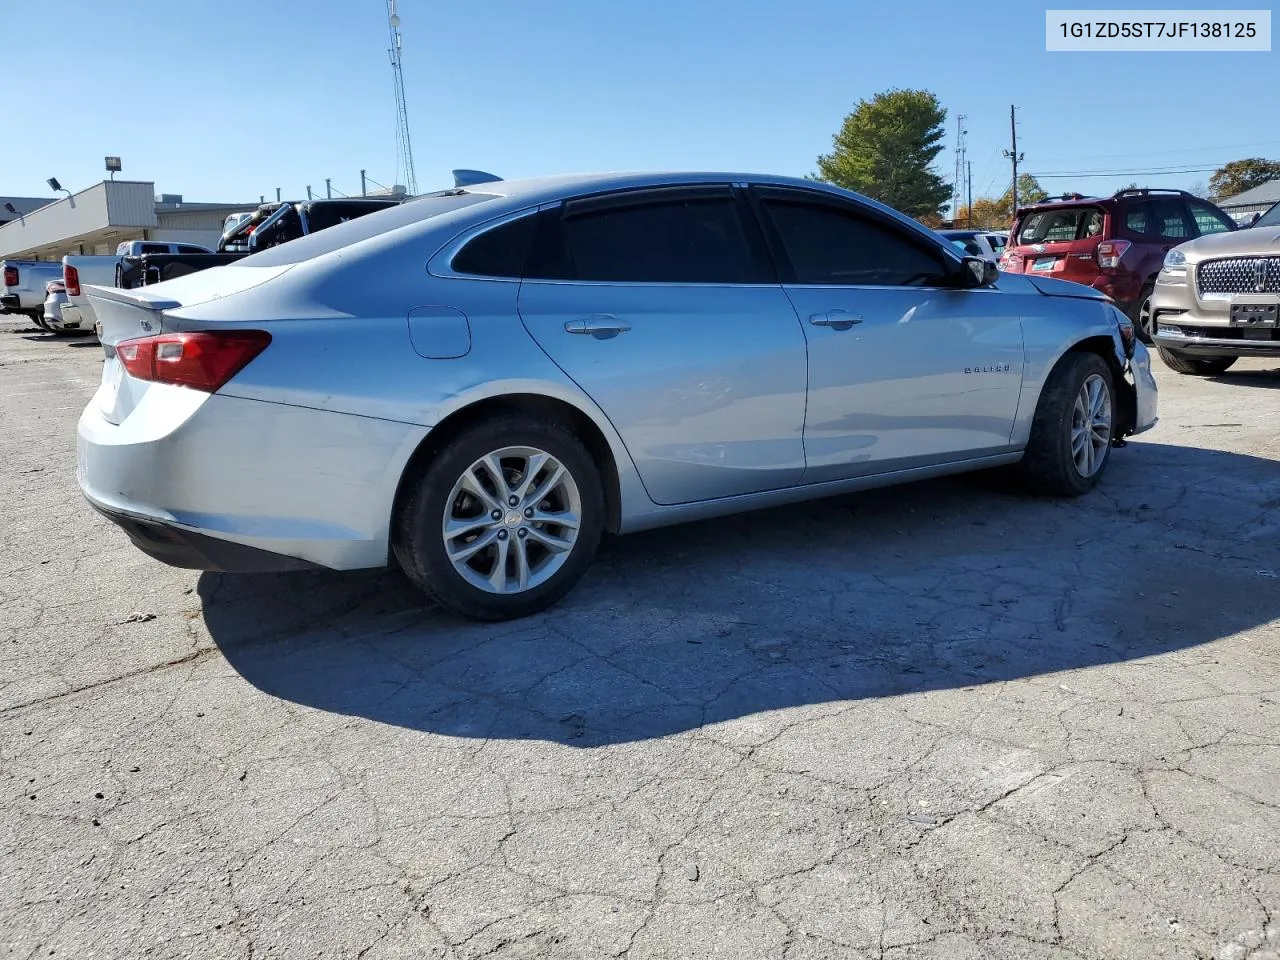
1086, 174
1150, 153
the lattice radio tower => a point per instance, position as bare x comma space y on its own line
957, 185
404, 146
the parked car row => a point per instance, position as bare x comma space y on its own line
1200, 288
480, 382
50, 293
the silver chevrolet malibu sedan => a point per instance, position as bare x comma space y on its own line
483, 381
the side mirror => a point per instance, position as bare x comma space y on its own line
979, 272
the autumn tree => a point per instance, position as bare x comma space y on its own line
885, 150
1241, 175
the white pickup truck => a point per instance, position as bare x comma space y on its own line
24, 286
77, 314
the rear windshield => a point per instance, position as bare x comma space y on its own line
1060, 225
362, 228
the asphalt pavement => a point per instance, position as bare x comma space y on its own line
939, 721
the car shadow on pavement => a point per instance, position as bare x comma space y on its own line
935, 585
1250, 378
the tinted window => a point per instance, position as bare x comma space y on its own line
1168, 220
1269, 219
498, 252
362, 228
153, 248
1061, 225
997, 241
830, 245
1137, 218
684, 240
968, 247
1207, 219
182, 248
322, 216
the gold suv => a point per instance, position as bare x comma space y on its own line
1217, 298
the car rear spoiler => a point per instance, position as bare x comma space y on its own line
137, 297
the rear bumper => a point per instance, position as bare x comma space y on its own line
223, 483
197, 551
10, 303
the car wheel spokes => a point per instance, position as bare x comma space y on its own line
1091, 425
512, 520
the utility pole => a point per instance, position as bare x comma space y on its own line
957, 191
328, 189
308, 191
1014, 155
364, 191
277, 194
968, 180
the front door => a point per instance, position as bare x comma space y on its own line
662, 306
905, 369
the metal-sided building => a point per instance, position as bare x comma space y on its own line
99, 217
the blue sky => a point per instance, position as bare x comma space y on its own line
228, 99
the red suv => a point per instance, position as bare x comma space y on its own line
1114, 244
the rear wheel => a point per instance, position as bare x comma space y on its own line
38, 320
1071, 434
504, 521
1196, 366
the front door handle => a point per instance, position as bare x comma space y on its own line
602, 326
835, 319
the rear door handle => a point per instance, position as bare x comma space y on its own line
835, 319
602, 326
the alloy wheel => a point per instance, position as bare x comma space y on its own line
1091, 425
512, 520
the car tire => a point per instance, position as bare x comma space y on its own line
38, 320
1142, 320
524, 564
1196, 366
1073, 428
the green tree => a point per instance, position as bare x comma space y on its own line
1241, 175
1029, 191
885, 149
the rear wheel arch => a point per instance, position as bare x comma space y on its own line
537, 405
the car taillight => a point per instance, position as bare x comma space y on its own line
71, 279
54, 286
204, 360
10, 276
1110, 252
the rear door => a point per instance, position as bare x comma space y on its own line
662, 306
904, 369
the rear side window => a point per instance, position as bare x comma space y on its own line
186, 249
1209, 220
997, 241
1061, 225
836, 246
362, 228
1137, 219
153, 248
499, 252
685, 239
1168, 220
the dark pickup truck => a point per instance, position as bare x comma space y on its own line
271, 225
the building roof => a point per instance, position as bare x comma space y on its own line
23, 205
1268, 192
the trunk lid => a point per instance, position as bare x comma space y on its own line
130, 314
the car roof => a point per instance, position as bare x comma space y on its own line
556, 186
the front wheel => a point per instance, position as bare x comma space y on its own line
1196, 366
1144, 322
1072, 432
503, 521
